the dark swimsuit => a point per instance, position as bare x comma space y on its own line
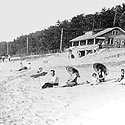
101, 79
122, 76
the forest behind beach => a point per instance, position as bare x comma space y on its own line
48, 40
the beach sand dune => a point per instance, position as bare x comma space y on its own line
22, 102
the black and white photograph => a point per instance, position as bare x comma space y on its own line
62, 62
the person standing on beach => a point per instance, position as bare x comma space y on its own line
3, 58
9, 58
52, 81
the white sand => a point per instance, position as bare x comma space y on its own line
22, 102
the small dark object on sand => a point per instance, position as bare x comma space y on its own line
39, 74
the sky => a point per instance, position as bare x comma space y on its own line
21, 17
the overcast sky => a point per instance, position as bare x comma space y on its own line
21, 17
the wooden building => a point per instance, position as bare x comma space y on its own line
92, 40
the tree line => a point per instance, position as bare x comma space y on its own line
48, 40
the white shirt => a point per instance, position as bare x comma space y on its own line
53, 79
94, 80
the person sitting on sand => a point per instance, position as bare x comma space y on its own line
52, 81
22, 67
94, 79
101, 75
69, 69
40, 70
122, 76
74, 74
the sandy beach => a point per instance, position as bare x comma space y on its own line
22, 102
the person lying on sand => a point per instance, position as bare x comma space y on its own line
74, 74
39, 72
121, 77
52, 81
22, 67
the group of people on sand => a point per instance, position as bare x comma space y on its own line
73, 79
53, 80
98, 77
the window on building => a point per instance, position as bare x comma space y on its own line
83, 42
90, 41
108, 41
115, 32
96, 41
111, 41
99, 41
76, 43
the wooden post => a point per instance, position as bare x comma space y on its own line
7, 48
79, 43
72, 44
114, 21
61, 40
27, 45
86, 42
94, 40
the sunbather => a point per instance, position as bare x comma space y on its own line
22, 67
52, 81
74, 74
